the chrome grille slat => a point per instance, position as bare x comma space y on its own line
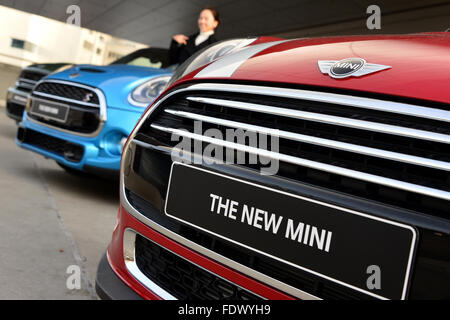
326, 97
426, 162
313, 164
324, 118
31, 82
194, 106
65, 99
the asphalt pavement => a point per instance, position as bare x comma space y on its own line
51, 223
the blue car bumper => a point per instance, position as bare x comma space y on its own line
101, 152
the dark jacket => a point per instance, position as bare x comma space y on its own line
180, 53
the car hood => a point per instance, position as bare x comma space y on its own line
103, 76
48, 67
420, 64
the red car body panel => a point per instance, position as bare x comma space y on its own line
420, 64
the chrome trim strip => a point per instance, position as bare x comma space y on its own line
33, 82
65, 99
103, 109
313, 164
379, 153
25, 85
176, 237
324, 118
129, 239
18, 92
334, 98
129, 231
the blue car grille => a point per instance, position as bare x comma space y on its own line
68, 91
84, 108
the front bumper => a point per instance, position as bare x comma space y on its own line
109, 286
94, 156
121, 255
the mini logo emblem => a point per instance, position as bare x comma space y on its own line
345, 68
88, 97
74, 75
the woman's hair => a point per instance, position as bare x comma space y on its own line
214, 12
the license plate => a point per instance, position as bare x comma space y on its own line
354, 249
53, 111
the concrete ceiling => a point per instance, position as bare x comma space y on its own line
154, 21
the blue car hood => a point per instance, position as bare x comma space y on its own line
116, 81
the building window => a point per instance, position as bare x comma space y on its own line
87, 45
16, 43
22, 44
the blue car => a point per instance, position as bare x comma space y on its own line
81, 117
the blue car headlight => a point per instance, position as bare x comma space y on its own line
144, 94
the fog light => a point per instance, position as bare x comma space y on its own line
73, 152
114, 142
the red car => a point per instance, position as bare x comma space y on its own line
291, 169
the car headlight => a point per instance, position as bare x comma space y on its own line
207, 55
144, 95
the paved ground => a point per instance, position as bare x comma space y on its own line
49, 220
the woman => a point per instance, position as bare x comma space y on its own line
182, 47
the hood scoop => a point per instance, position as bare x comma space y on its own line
91, 70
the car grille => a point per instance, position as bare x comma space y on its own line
68, 91
69, 151
183, 279
28, 79
84, 116
392, 154
393, 158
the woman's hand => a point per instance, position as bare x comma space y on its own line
180, 38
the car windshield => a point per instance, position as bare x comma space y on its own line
157, 58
